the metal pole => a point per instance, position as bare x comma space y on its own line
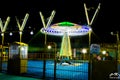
55, 61
95, 14
89, 22
20, 36
2, 51
90, 61
55, 48
43, 20
3, 29
44, 25
86, 13
2, 39
48, 23
51, 18
117, 55
44, 62
117, 43
45, 39
21, 27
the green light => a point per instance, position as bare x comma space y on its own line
65, 23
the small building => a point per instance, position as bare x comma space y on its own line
17, 58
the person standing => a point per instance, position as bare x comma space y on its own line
108, 57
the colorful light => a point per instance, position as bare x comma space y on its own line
71, 29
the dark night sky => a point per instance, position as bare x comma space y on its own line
107, 19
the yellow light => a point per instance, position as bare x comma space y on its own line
84, 51
4, 53
20, 32
49, 47
103, 52
2, 34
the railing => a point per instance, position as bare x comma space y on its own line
76, 71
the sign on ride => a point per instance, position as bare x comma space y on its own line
94, 48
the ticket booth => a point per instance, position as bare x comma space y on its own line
17, 59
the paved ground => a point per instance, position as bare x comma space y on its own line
4, 76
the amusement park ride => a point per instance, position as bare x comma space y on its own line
67, 29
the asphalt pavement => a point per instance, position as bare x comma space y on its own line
4, 76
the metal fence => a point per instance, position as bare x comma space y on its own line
46, 69
49, 69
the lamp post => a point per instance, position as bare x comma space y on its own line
117, 54
3, 29
21, 27
55, 49
90, 32
117, 38
84, 51
49, 47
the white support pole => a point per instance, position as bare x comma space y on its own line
48, 23
42, 18
86, 13
21, 27
24, 21
18, 23
51, 18
95, 13
6, 24
89, 22
4, 27
44, 25
1, 25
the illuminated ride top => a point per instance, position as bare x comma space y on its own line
71, 29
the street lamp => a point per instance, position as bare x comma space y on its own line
117, 35
31, 32
117, 54
84, 51
10, 33
50, 46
